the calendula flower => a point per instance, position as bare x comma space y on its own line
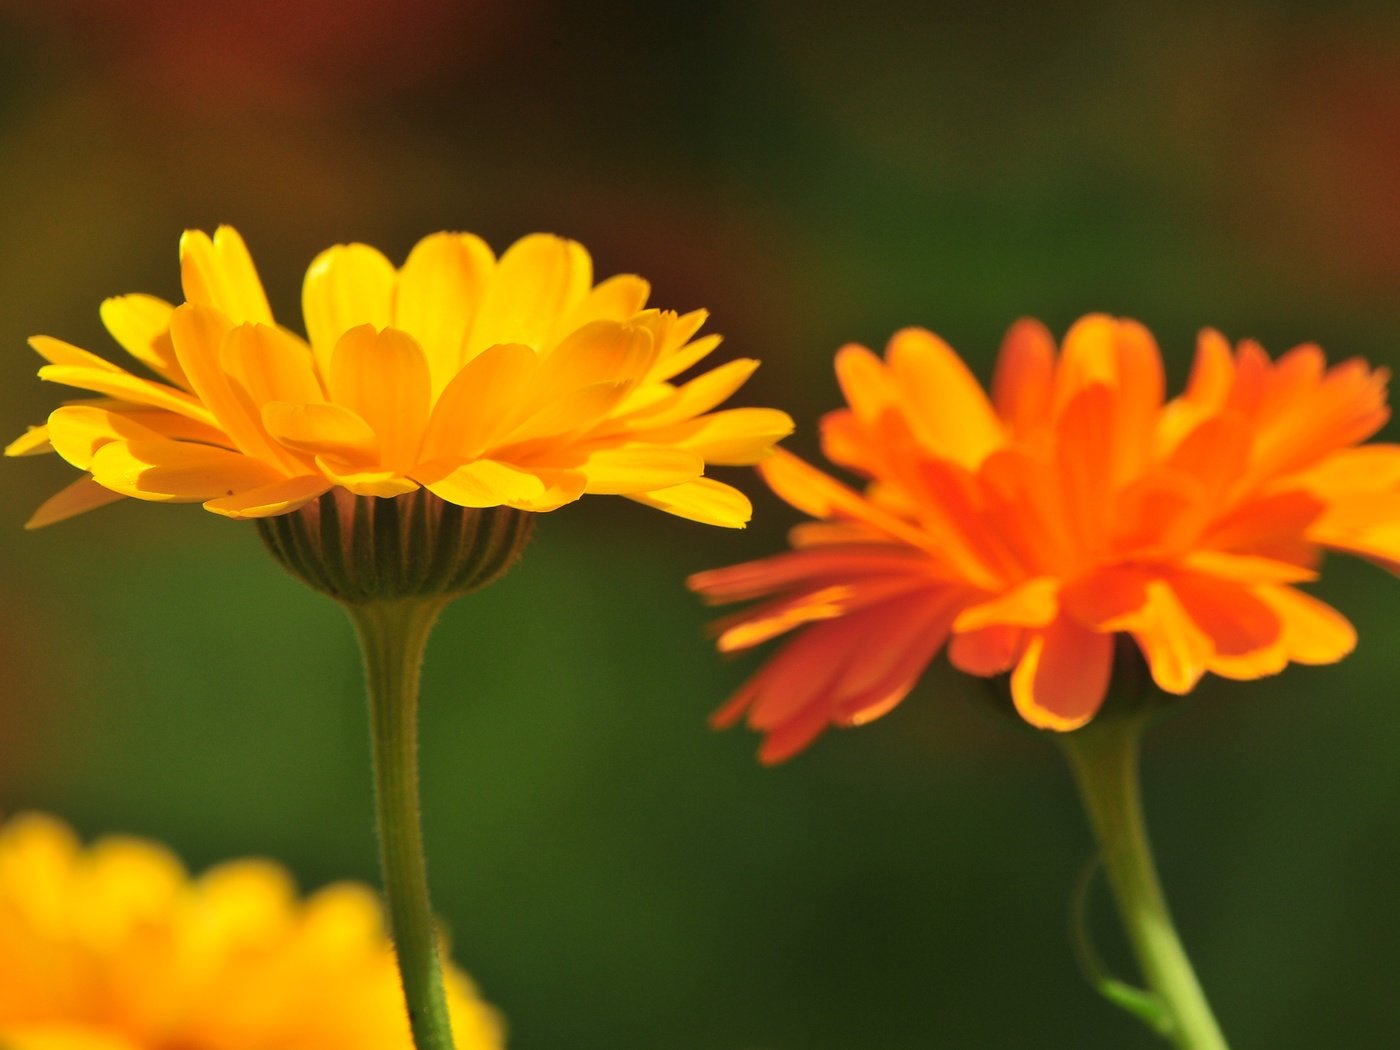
115, 947
1025, 530
396, 457
512, 382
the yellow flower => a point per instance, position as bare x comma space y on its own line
114, 947
490, 382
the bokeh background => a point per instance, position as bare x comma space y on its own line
615, 874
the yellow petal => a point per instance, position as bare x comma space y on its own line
270, 364
619, 471
321, 428
700, 394
383, 378
141, 325
539, 279
345, 286
126, 387
59, 1036
349, 476
555, 419
219, 272
439, 288
81, 496
277, 497
31, 443
199, 334
483, 483
483, 402
618, 298
674, 362
736, 437
599, 352
57, 352
78, 431
704, 500
176, 471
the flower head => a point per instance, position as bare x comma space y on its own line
1024, 531
114, 947
490, 382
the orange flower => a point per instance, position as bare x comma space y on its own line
1026, 530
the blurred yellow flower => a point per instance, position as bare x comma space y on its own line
114, 947
490, 382
1026, 529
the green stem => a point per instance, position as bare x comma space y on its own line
393, 635
1104, 757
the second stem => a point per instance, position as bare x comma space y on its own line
1104, 757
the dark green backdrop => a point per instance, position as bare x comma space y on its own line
615, 874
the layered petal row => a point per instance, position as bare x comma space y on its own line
1021, 531
511, 381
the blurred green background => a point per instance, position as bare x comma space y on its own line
615, 874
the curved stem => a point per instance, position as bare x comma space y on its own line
1104, 757
393, 636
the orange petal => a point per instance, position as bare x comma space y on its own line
1085, 430
815, 566
1244, 632
1176, 650
948, 409
1313, 632
988, 651
865, 384
815, 494
1021, 387
1063, 675
1033, 603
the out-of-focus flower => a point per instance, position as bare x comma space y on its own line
1025, 530
114, 947
510, 382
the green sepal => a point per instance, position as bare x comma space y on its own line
1142, 1004
361, 549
